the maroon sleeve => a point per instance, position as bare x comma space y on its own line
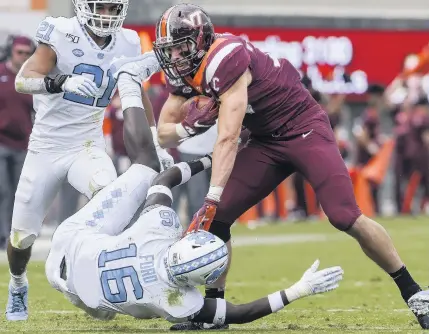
226, 65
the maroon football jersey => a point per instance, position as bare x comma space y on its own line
275, 96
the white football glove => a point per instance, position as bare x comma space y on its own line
313, 282
81, 85
141, 67
164, 157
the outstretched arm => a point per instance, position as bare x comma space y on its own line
219, 311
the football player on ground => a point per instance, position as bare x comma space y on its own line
151, 270
289, 132
72, 84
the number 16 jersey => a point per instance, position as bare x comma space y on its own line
69, 121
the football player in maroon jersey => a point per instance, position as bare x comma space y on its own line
289, 132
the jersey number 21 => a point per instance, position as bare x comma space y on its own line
98, 74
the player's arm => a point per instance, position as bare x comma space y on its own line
219, 311
160, 192
165, 158
148, 108
233, 106
137, 133
169, 135
32, 78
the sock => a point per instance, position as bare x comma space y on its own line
215, 293
18, 281
405, 283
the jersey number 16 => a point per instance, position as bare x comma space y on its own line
115, 277
98, 74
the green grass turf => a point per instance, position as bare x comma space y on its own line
366, 302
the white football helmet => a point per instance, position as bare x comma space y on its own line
101, 25
198, 258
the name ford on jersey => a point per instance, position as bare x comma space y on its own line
147, 268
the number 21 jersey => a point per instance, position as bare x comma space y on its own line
66, 120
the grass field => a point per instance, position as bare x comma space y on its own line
366, 302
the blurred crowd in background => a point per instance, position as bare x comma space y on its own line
377, 103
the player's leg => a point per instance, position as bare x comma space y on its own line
317, 157
254, 176
112, 208
37, 187
91, 171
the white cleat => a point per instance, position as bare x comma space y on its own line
419, 304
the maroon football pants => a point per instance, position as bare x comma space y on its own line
262, 165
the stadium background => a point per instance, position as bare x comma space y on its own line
347, 49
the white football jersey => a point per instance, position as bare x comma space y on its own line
65, 120
127, 273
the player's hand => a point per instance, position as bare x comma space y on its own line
204, 217
198, 121
141, 68
314, 281
164, 157
80, 85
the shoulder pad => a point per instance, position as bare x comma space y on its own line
52, 29
132, 39
226, 63
131, 36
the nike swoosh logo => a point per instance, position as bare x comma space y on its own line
198, 125
304, 135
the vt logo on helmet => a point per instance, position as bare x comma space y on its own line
103, 17
183, 36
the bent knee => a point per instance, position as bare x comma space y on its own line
344, 216
21, 239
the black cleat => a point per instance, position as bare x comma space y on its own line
197, 326
419, 304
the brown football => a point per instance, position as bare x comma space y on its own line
202, 101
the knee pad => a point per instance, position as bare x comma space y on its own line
22, 239
99, 180
221, 230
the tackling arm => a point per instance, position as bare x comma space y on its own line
137, 134
160, 192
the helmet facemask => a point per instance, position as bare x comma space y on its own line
101, 25
189, 62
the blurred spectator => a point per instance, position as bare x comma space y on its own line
368, 143
15, 127
114, 135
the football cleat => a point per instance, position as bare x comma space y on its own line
419, 304
17, 304
197, 326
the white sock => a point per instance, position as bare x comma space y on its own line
18, 281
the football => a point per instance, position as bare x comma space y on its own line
201, 100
